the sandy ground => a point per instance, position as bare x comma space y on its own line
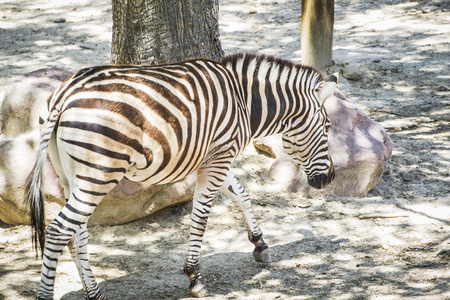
389, 245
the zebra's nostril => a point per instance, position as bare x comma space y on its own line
320, 181
315, 181
332, 176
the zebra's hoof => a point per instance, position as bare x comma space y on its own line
262, 255
199, 289
99, 296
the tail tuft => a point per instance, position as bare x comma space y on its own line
35, 201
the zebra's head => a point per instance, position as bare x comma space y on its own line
307, 141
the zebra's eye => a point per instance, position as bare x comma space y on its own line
318, 86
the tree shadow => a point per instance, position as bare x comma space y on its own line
304, 267
315, 266
144, 259
36, 35
225, 272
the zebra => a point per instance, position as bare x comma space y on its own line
158, 124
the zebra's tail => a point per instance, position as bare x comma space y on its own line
33, 196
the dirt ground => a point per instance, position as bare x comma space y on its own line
392, 244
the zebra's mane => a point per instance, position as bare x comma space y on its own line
271, 60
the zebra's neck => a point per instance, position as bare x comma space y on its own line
274, 90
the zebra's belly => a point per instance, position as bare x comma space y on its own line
181, 163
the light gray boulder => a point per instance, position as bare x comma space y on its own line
24, 101
16, 159
127, 202
359, 147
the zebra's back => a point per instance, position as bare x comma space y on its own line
159, 123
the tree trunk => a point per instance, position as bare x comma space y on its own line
317, 33
164, 31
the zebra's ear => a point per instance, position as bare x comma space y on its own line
327, 89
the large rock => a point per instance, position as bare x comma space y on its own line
359, 146
127, 202
24, 100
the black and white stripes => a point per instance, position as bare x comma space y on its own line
158, 124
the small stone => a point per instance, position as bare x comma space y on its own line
407, 176
60, 20
443, 88
444, 249
252, 12
385, 247
304, 205
352, 71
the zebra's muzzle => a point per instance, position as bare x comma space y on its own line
322, 180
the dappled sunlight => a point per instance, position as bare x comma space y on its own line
374, 26
98, 248
42, 34
329, 248
380, 246
261, 26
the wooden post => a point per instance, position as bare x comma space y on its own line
317, 33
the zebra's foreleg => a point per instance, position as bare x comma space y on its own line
236, 192
209, 180
78, 250
199, 218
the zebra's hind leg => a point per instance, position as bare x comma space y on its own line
78, 250
64, 230
57, 235
236, 192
